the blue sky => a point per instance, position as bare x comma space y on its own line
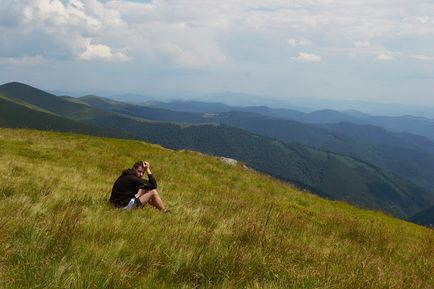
367, 50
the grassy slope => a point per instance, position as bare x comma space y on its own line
230, 228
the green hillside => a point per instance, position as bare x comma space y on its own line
324, 173
229, 227
145, 112
50, 102
16, 114
409, 156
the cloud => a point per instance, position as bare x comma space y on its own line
298, 42
386, 56
195, 34
11, 14
220, 42
100, 51
308, 57
362, 44
177, 43
21, 61
63, 30
366, 48
422, 57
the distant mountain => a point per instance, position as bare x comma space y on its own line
14, 114
411, 124
60, 106
190, 106
425, 217
138, 110
131, 97
409, 156
327, 174
200, 107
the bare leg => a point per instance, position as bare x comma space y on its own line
153, 198
157, 202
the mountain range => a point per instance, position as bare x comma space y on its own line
407, 155
313, 165
411, 124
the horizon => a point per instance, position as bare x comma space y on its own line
338, 52
235, 99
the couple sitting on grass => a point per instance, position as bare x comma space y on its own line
131, 191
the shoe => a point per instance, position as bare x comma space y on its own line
130, 205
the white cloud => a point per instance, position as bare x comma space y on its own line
363, 48
195, 33
362, 44
64, 29
22, 61
100, 51
251, 39
386, 55
308, 57
298, 42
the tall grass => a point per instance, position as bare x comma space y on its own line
229, 228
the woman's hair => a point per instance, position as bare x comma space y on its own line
138, 164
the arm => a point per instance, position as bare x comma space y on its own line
151, 184
139, 183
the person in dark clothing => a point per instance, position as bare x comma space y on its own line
131, 190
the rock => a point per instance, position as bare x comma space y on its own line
229, 161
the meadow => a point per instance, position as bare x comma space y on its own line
228, 227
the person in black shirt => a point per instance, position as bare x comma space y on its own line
131, 190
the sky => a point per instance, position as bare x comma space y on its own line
367, 50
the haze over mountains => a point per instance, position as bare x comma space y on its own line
340, 155
412, 124
234, 99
